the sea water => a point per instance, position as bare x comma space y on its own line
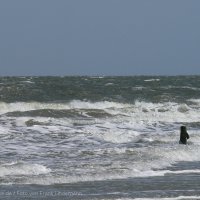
99, 137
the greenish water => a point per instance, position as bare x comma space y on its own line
120, 89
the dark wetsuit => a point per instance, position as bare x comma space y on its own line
183, 137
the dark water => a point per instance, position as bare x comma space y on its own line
121, 89
99, 137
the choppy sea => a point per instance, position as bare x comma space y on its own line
99, 138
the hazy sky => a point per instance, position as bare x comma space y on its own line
99, 37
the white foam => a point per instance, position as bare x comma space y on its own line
115, 136
75, 104
28, 106
163, 112
138, 165
142, 162
197, 101
49, 180
28, 81
14, 168
138, 121
169, 112
164, 172
4, 130
153, 79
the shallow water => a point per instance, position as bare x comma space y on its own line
170, 186
99, 137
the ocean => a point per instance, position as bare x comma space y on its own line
99, 138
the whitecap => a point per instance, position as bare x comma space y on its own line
17, 168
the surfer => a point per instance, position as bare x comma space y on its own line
183, 135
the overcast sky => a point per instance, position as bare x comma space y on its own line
99, 37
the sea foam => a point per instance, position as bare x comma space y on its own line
17, 168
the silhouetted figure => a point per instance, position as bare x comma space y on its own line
183, 135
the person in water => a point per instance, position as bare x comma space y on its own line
183, 135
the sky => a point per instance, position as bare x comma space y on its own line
99, 37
